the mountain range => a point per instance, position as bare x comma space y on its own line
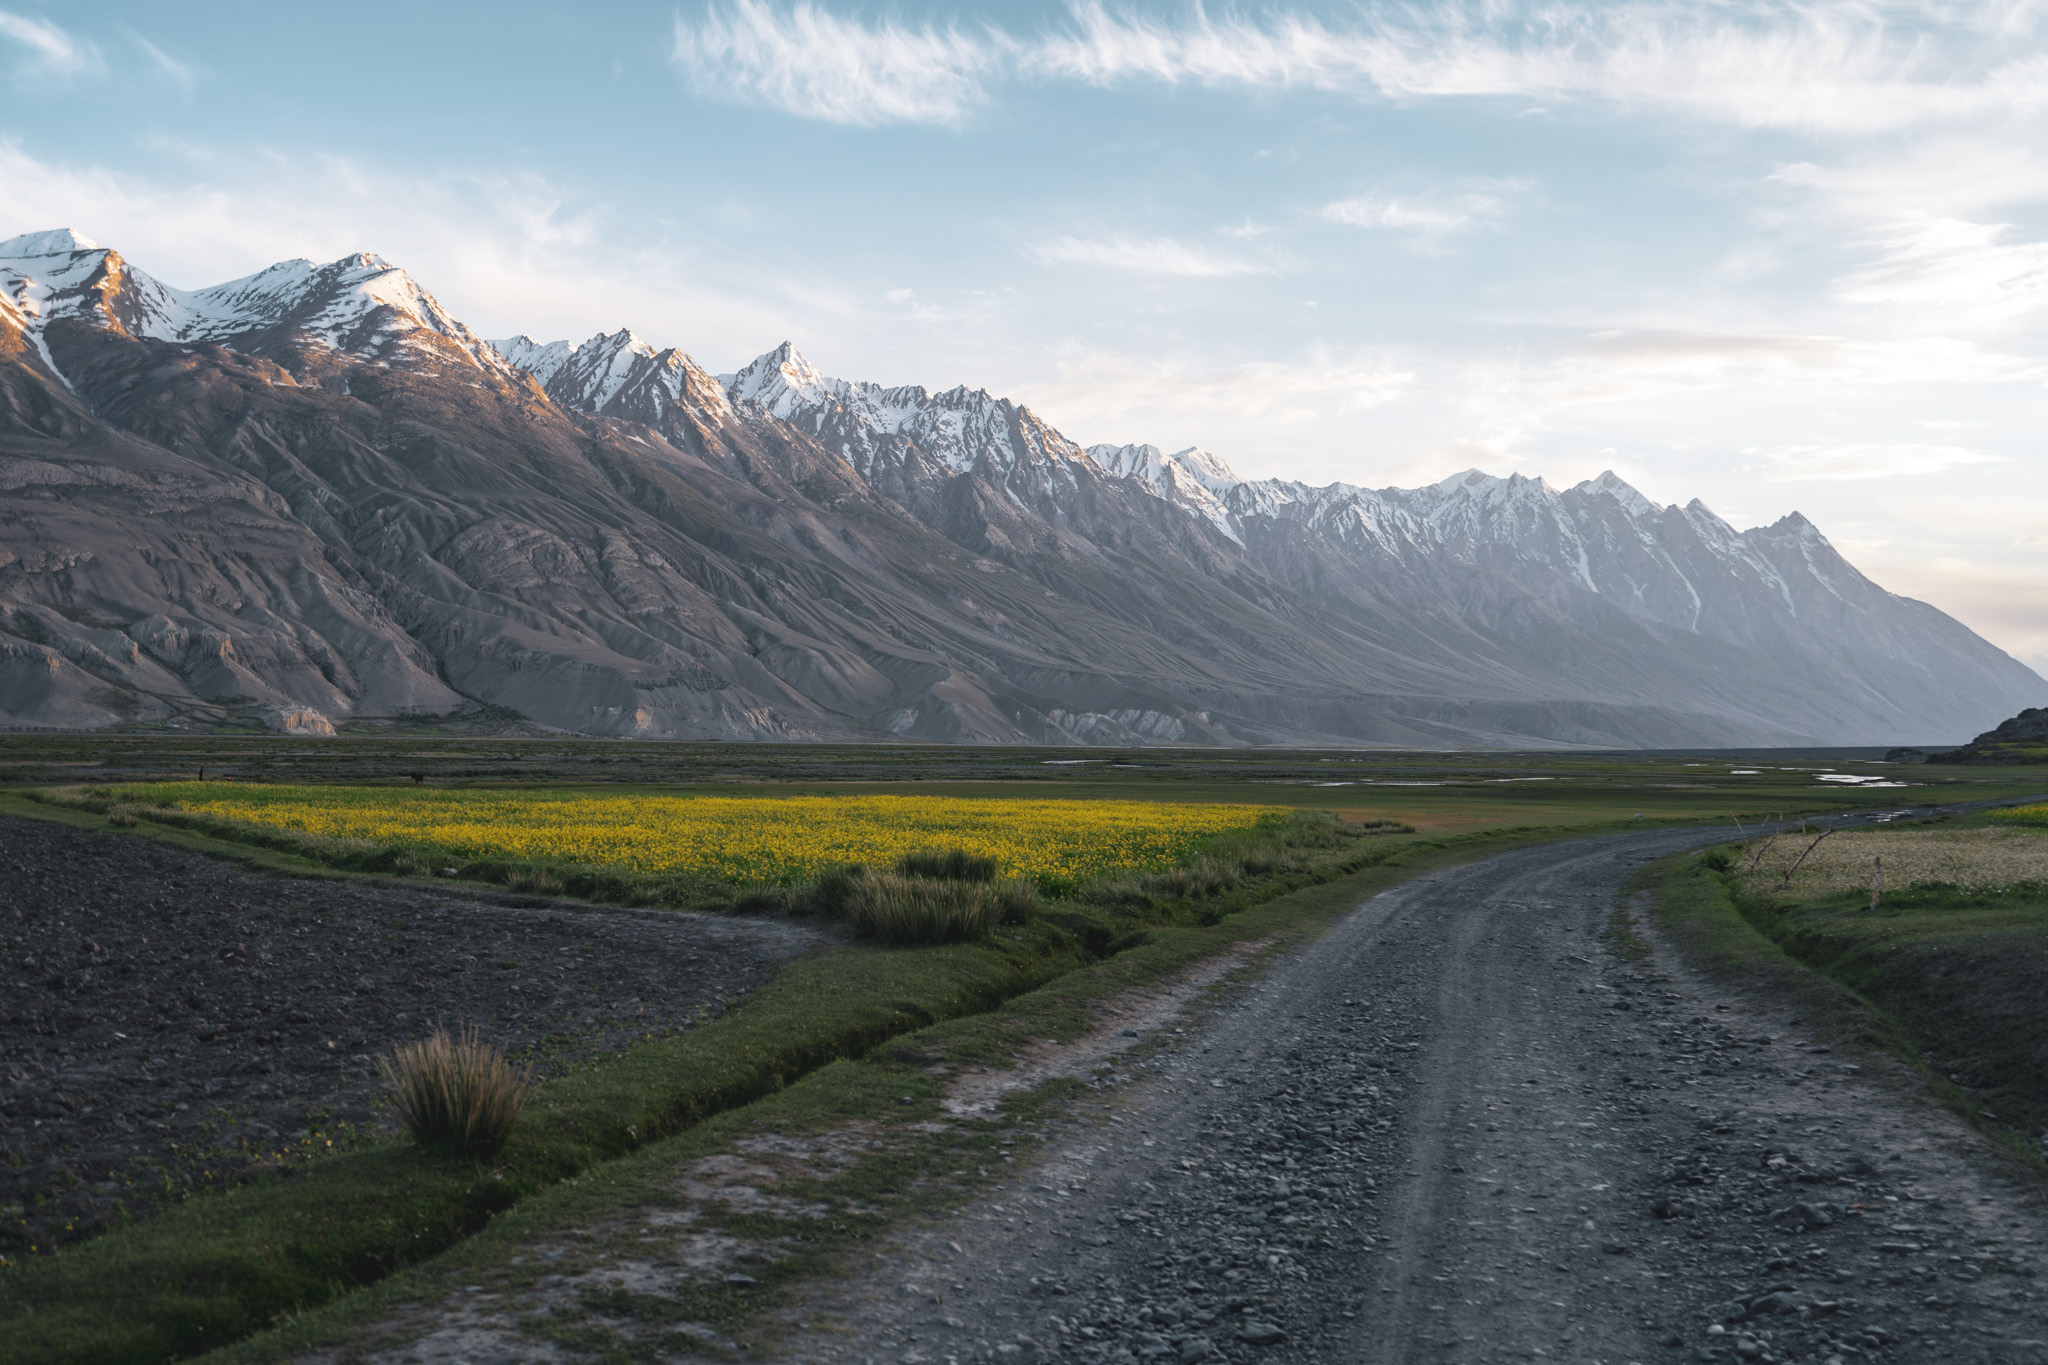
313, 496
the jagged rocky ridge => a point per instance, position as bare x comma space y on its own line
312, 495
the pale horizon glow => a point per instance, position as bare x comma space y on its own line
1775, 258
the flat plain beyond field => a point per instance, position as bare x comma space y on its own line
1436, 792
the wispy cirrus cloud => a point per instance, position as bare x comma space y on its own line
1427, 215
182, 74
1954, 265
1144, 256
1820, 65
1842, 66
47, 50
807, 61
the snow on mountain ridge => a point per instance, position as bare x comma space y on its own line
360, 304
55, 242
617, 374
541, 360
1173, 478
958, 427
1601, 533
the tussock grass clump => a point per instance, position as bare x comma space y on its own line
949, 865
457, 1093
942, 896
538, 880
1197, 880
760, 898
900, 909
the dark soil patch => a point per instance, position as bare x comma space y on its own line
169, 1023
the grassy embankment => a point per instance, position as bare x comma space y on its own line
1947, 972
223, 1266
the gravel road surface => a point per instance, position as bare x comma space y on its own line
1473, 1124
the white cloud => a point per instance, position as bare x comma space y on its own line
1101, 390
181, 74
1952, 264
1861, 460
1143, 256
809, 62
1937, 177
1427, 215
50, 50
1716, 359
1823, 65
1839, 64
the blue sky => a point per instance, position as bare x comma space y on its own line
1770, 256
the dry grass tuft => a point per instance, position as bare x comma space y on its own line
1968, 859
459, 1093
948, 865
900, 909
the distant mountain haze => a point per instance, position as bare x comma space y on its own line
311, 495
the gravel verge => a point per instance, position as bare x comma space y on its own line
170, 1023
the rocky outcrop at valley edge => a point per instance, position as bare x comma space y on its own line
313, 496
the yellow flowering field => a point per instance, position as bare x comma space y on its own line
1059, 844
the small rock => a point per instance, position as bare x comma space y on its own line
738, 1281
1256, 1333
1196, 1348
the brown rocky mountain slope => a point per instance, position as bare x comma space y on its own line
312, 496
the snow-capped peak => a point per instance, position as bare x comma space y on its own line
360, 304
616, 374
1172, 477
1206, 469
1131, 461
1468, 479
540, 359
1612, 484
781, 380
56, 242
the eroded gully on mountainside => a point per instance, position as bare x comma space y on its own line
1464, 1127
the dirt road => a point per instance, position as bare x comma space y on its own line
1473, 1124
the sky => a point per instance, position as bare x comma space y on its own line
1774, 257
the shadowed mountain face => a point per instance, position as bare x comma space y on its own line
312, 495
